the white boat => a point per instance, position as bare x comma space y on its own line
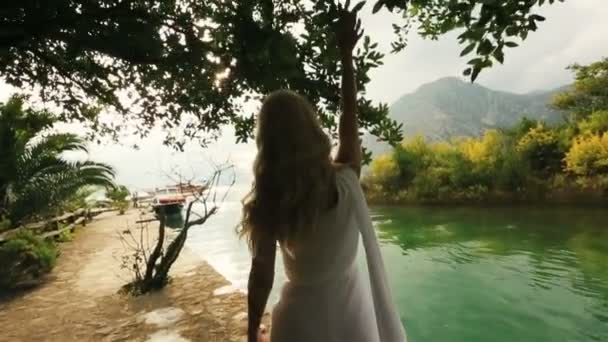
169, 198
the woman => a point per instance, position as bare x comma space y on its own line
314, 208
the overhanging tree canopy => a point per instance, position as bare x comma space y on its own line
191, 63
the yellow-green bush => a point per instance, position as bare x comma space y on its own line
588, 155
541, 148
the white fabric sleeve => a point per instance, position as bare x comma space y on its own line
388, 321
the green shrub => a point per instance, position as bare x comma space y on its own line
24, 258
118, 195
78, 200
122, 206
5, 224
65, 236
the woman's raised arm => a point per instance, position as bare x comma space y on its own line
349, 148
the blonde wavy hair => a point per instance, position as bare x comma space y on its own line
293, 172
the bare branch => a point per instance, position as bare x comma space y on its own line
203, 219
141, 239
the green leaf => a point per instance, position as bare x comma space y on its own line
467, 71
358, 6
499, 55
414, 10
537, 17
511, 31
378, 6
511, 44
475, 61
468, 49
476, 71
485, 47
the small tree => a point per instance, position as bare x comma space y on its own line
80, 199
589, 92
150, 266
541, 149
118, 196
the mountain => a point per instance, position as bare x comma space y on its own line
450, 107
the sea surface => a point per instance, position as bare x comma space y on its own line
471, 274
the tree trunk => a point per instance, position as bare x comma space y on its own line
171, 255
156, 253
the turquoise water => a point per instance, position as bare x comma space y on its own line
472, 274
498, 274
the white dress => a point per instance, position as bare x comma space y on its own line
326, 298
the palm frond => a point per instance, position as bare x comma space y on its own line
43, 194
56, 144
35, 178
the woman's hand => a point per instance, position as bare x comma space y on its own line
263, 335
348, 27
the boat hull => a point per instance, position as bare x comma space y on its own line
169, 208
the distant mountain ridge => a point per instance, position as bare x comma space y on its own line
450, 107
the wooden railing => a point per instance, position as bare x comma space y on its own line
55, 226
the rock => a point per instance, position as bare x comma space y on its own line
166, 336
241, 316
163, 317
104, 331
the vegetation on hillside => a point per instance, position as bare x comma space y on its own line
530, 161
451, 107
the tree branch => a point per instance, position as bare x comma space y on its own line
203, 219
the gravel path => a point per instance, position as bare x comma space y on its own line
79, 300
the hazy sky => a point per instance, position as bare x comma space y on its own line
575, 31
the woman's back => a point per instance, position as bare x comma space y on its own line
331, 247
